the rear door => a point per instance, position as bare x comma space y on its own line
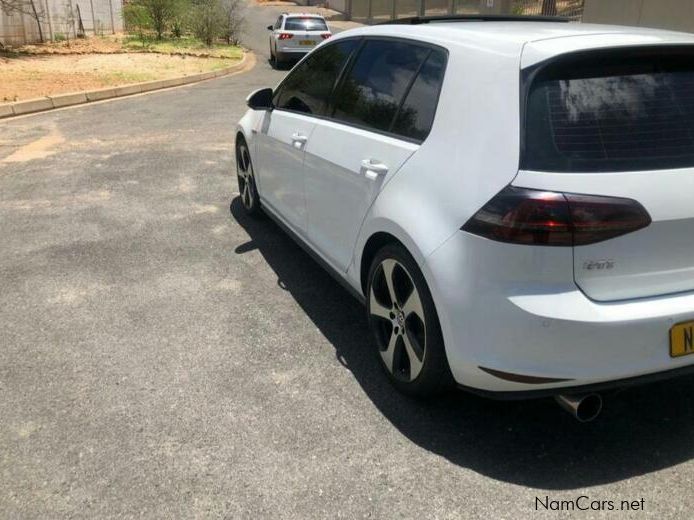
620, 123
382, 110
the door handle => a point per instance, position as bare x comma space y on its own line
373, 169
298, 140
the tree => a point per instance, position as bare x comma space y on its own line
160, 12
206, 20
233, 21
137, 20
549, 7
28, 7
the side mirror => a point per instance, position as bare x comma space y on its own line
260, 99
270, 28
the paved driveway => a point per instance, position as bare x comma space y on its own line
163, 356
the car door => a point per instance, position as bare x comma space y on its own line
301, 97
380, 113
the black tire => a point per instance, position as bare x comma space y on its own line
411, 344
245, 175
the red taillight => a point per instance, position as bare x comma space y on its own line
325, 36
548, 218
285, 36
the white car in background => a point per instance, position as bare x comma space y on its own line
294, 35
513, 201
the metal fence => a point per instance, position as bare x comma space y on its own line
374, 11
61, 19
572, 9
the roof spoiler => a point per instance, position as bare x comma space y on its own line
418, 20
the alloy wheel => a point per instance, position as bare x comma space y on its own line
396, 311
244, 170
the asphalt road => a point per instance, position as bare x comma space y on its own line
163, 356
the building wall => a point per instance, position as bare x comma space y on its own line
337, 5
60, 18
666, 14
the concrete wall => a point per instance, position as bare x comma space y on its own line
60, 18
667, 14
337, 5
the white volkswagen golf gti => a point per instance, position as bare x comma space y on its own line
512, 200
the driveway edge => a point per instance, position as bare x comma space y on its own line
42, 104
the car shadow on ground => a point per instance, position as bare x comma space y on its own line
530, 443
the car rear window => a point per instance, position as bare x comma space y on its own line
305, 24
606, 111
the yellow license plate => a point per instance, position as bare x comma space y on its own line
682, 339
306, 42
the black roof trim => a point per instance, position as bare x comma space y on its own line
418, 20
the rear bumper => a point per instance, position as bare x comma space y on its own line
514, 322
604, 386
287, 54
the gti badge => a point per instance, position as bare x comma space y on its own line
598, 265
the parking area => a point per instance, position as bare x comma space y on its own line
162, 355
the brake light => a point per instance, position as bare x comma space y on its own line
548, 218
285, 36
325, 36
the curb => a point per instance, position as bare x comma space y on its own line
77, 98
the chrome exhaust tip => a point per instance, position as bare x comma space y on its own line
584, 407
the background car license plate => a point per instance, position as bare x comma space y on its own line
306, 42
682, 339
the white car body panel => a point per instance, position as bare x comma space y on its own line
528, 310
652, 261
280, 152
339, 189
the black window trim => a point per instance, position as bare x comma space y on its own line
530, 74
407, 93
348, 67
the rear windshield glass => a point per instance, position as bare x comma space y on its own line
305, 24
612, 111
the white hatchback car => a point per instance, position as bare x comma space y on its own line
294, 35
512, 200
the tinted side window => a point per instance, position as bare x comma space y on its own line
417, 112
278, 23
308, 87
374, 87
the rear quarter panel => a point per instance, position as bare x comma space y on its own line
469, 156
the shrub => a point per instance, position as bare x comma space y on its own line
137, 20
206, 19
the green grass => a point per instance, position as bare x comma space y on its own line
120, 78
183, 45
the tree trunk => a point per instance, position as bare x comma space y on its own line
38, 20
549, 7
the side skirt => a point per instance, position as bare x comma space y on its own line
315, 256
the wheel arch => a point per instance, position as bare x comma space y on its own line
375, 242
387, 232
237, 140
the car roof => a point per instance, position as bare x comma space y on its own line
303, 15
543, 39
